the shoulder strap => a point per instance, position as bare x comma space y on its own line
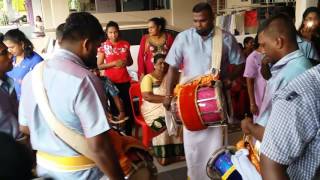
216, 54
73, 139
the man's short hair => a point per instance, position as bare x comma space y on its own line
202, 7
281, 24
59, 31
82, 25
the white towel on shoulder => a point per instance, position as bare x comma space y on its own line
244, 166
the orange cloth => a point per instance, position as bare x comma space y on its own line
201, 81
122, 145
253, 154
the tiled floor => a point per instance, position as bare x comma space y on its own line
178, 171
175, 174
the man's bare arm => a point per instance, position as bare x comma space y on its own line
172, 80
272, 170
105, 156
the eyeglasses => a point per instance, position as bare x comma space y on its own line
4, 52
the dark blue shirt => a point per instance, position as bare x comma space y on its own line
20, 70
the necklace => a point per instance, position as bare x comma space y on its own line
157, 40
157, 45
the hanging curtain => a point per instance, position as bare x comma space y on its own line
240, 23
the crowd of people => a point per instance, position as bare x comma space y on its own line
271, 84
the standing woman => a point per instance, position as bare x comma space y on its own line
114, 57
156, 42
24, 58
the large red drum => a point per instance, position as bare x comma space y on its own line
198, 107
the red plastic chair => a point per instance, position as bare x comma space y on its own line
147, 132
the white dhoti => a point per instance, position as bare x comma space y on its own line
198, 147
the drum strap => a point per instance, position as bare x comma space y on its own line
121, 144
216, 55
73, 139
217, 50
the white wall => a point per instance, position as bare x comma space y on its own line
47, 14
182, 12
37, 8
60, 11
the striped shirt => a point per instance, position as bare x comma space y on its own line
292, 135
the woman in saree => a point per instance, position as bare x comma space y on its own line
167, 149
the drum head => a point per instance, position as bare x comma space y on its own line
220, 162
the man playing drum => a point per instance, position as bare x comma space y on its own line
193, 48
77, 98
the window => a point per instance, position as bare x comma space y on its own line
105, 6
139, 5
81, 5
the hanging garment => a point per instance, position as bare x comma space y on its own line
227, 22
251, 21
233, 26
239, 19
